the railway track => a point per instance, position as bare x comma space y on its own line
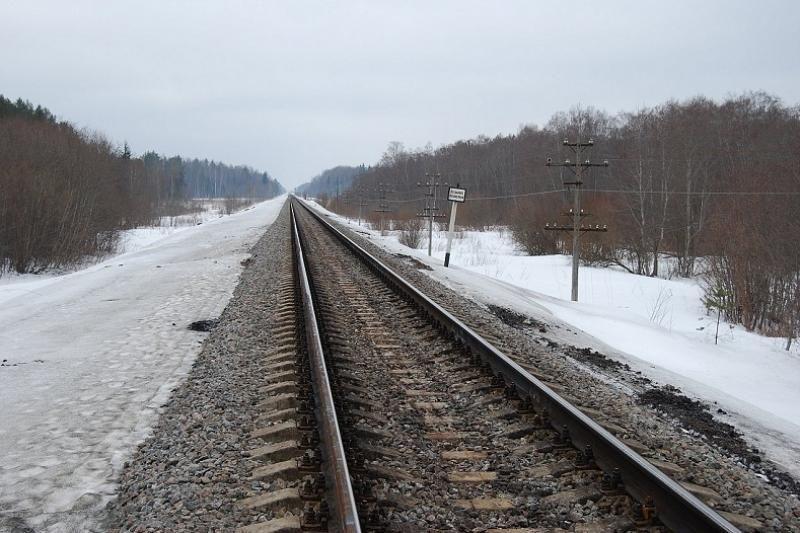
386, 413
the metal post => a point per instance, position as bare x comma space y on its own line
453, 207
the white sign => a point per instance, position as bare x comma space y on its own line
456, 195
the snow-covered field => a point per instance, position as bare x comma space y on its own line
659, 327
89, 357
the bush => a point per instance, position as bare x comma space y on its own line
231, 205
411, 233
529, 234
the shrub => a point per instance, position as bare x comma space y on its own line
411, 232
527, 230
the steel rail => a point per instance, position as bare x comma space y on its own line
676, 507
339, 490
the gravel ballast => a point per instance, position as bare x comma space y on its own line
188, 475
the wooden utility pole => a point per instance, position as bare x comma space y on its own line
362, 203
577, 167
383, 203
430, 209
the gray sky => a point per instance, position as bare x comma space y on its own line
296, 87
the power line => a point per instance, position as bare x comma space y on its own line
512, 196
475, 199
697, 193
737, 157
612, 191
420, 198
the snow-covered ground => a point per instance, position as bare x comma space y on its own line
89, 357
659, 327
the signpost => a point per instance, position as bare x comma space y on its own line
456, 196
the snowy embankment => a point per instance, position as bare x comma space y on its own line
89, 357
657, 326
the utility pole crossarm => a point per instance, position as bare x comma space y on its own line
561, 227
575, 165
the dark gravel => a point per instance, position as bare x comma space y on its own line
697, 417
204, 325
594, 358
514, 319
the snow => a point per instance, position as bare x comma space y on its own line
658, 326
91, 356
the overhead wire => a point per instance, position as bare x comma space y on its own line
695, 193
608, 191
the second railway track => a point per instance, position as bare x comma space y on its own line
434, 429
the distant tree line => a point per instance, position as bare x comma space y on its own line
211, 179
331, 182
65, 193
712, 188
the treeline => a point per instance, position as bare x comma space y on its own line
65, 193
193, 178
23, 108
211, 179
330, 182
706, 187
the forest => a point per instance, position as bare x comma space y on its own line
331, 181
706, 188
65, 193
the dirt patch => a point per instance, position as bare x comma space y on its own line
516, 320
204, 325
595, 358
419, 265
697, 417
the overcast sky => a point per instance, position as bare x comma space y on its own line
296, 87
